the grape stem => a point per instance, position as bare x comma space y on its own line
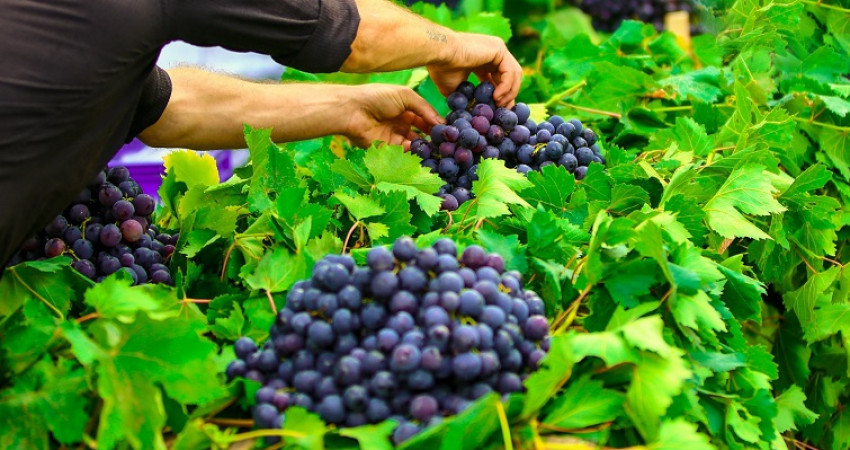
90, 316
348, 236
241, 423
271, 301
37, 295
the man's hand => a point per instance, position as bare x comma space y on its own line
485, 56
393, 38
387, 113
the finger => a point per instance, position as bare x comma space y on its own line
419, 106
416, 121
412, 136
510, 79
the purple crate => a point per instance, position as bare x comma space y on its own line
148, 172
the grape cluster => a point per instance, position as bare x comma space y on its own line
106, 229
608, 14
477, 130
415, 336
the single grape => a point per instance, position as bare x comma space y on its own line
131, 230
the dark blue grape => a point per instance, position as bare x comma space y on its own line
383, 383
412, 279
387, 339
484, 92
457, 100
378, 410
405, 358
471, 303
522, 112
384, 285
448, 168
235, 369
380, 259
404, 432
331, 409
580, 172
306, 381
466, 366
349, 297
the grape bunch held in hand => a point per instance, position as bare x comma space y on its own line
476, 129
107, 229
414, 336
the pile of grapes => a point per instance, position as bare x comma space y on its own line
477, 129
415, 336
608, 14
106, 229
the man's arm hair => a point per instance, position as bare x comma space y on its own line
207, 111
393, 38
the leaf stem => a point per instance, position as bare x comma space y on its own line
569, 314
822, 124
591, 110
264, 433
672, 108
565, 93
506, 428
826, 6
37, 295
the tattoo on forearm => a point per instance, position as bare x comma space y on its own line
435, 35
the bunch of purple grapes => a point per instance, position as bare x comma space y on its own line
607, 15
477, 130
415, 336
106, 229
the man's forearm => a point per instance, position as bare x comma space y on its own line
207, 111
393, 38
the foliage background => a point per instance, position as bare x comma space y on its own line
696, 286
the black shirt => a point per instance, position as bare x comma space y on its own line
78, 80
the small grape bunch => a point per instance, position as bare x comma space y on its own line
107, 228
415, 335
476, 129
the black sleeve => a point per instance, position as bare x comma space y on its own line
155, 95
310, 35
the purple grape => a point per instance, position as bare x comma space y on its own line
131, 231
522, 111
85, 267
457, 100
449, 203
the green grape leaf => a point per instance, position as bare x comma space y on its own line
551, 187
50, 398
792, 410
585, 403
680, 434
393, 169
497, 187
746, 190
133, 361
277, 271
361, 207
